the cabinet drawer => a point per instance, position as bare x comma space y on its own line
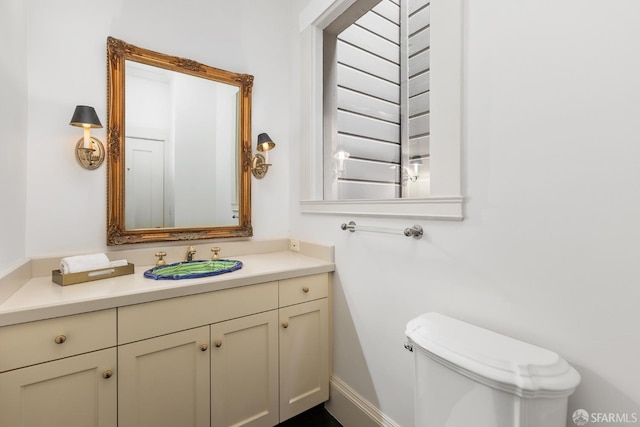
302, 289
142, 321
36, 342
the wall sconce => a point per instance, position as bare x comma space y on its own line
416, 162
89, 150
259, 163
340, 156
412, 172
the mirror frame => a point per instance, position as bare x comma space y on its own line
117, 52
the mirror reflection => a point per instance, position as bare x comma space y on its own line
179, 150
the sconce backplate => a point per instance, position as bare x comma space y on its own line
259, 166
90, 159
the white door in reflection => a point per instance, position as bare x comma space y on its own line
144, 193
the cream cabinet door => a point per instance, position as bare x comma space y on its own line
304, 357
244, 371
164, 381
78, 391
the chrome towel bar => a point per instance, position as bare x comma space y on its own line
415, 231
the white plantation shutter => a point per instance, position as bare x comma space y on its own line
368, 102
416, 72
382, 86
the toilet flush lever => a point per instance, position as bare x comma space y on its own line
408, 346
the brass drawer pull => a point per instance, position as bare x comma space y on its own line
107, 374
204, 347
60, 339
217, 343
305, 289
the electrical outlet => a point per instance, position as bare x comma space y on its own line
294, 245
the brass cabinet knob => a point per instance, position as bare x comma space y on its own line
107, 374
60, 339
204, 347
217, 343
305, 289
285, 324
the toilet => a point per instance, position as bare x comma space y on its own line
469, 376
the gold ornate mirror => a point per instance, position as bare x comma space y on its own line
179, 148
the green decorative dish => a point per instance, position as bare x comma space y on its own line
193, 269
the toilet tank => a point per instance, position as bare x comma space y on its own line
469, 376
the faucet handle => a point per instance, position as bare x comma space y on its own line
215, 251
161, 260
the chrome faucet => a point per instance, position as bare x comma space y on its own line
190, 253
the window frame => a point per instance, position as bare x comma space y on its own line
446, 201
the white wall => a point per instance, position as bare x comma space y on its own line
548, 249
66, 53
547, 252
13, 131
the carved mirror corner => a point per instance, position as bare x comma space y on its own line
178, 148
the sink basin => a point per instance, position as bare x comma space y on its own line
193, 269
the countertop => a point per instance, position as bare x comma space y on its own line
40, 298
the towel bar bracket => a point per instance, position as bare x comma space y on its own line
416, 231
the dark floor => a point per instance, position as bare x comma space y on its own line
315, 417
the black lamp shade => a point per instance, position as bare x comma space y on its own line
85, 115
265, 143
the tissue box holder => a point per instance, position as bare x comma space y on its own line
89, 276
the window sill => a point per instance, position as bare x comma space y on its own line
439, 208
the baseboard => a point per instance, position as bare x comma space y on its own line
353, 410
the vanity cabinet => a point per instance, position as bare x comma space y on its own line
253, 355
164, 381
181, 379
173, 353
244, 371
304, 344
59, 372
73, 392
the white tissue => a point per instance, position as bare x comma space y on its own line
119, 263
75, 264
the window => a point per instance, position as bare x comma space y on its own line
376, 103
393, 159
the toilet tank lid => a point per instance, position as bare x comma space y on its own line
494, 359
